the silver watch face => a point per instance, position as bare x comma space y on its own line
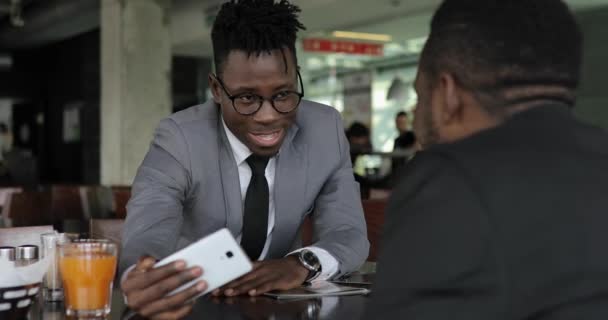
310, 259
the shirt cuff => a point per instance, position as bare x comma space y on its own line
122, 279
329, 264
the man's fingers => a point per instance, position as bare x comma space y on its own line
247, 288
267, 286
239, 282
145, 279
243, 288
174, 301
144, 264
140, 298
231, 284
260, 271
174, 314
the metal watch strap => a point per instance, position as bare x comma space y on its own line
312, 274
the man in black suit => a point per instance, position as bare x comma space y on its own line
504, 215
406, 138
405, 141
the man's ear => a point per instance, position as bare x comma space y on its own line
216, 91
451, 96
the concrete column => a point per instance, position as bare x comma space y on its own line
135, 82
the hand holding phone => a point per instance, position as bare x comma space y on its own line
220, 257
144, 288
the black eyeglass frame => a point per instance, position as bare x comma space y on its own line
261, 99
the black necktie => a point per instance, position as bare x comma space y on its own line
255, 217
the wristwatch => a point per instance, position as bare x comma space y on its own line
309, 261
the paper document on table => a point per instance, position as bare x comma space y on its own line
317, 289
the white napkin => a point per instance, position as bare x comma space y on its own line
19, 276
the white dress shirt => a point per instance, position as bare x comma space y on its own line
329, 264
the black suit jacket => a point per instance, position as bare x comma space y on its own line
404, 141
511, 223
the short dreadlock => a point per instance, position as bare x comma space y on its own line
255, 27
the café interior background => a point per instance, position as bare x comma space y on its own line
83, 83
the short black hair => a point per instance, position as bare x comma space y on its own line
255, 27
490, 46
357, 129
401, 114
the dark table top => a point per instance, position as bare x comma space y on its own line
344, 307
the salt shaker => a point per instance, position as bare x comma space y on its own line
7, 253
26, 255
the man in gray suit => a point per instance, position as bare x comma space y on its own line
257, 160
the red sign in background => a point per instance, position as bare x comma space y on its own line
340, 46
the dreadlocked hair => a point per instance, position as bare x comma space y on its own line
255, 27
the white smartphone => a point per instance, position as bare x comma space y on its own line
220, 256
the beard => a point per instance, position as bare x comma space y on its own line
427, 133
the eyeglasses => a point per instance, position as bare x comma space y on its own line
249, 103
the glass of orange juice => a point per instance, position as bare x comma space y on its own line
87, 268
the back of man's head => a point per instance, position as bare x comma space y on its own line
357, 130
506, 51
255, 27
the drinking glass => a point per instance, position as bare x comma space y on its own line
52, 288
87, 268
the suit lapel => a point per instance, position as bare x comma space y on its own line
289, 193
230, 183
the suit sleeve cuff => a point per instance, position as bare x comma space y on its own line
329, 264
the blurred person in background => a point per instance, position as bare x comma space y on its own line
504, 213
406, 138
360, 143
405, 141
359, 140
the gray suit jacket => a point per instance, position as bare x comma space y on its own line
188, 187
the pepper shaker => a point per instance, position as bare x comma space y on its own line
26, 255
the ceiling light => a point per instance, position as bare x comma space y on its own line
397, 90
363, 36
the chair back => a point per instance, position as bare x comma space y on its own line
122, 194
97, 202
110, 229
373, 211
66, 203
374, 217
27, 208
